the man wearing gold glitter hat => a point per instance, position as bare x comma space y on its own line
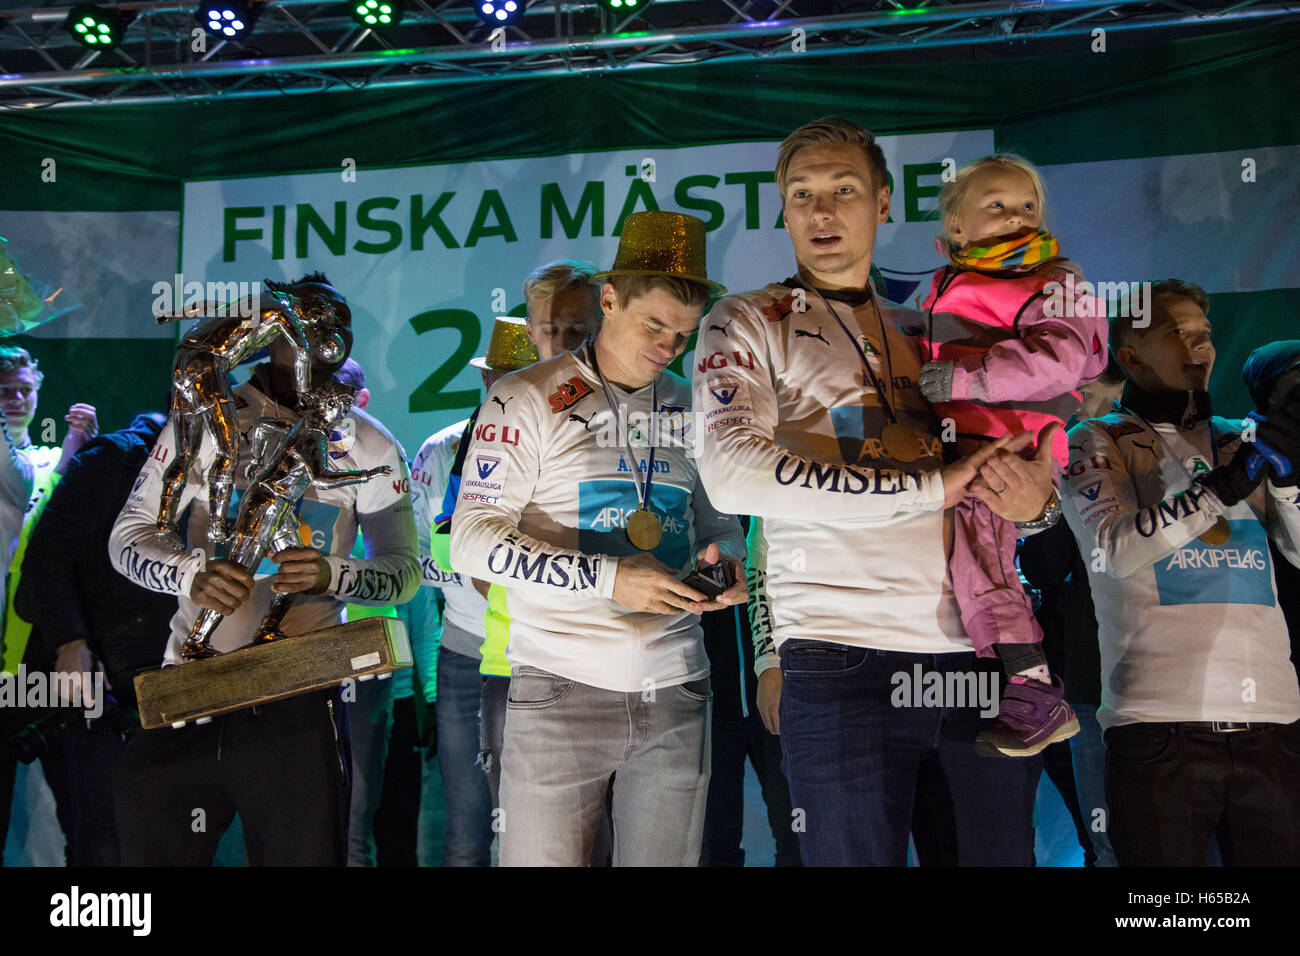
585, 503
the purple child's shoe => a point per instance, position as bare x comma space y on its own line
1031, 715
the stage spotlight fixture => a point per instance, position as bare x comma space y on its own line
229, 19
623, 6
376, 14
96, 27
499, 11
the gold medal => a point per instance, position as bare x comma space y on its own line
1218, 534
900, 442
644, 529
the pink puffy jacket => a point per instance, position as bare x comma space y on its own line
1021, 347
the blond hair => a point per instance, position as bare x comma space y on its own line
832, 131
556, 277
954, 193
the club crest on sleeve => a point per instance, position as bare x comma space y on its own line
487, 480
343, 437
723, 393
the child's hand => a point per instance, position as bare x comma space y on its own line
935, 381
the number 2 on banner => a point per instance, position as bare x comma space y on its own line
429, 395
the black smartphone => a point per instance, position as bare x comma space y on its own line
711, 579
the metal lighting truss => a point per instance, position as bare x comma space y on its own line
306, 46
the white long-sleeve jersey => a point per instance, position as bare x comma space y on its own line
854, 544
464, 606
1188, 631
546, 491
328, 521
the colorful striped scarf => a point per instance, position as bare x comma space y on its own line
1020, 254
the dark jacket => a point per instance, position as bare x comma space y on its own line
730, 646
69, 590
1051, 562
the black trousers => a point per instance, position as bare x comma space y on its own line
1170, 787
93, 760
734, 741
283, 767
397, 820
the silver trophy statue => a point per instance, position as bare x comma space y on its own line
201, 394
287, 460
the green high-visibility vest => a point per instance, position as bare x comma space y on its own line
17, 631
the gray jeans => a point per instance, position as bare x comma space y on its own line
564, 741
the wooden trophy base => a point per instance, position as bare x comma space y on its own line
374, 646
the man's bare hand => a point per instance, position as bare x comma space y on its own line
769, 699
958, 476
82, 427
82, 423
222, 586
76, 660
1015, 488
738, 593
644, 583
301, 569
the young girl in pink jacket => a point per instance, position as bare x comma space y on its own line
1009, 338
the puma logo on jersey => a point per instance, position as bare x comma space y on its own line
579, 418
501, 403
800, 333
722, 328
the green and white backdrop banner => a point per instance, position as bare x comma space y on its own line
428, 255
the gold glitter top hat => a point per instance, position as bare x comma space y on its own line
509, 349
662, 243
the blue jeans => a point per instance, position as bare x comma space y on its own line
861, 768
1088, 752
468, 837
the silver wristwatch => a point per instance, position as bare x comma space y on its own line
1051, 514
